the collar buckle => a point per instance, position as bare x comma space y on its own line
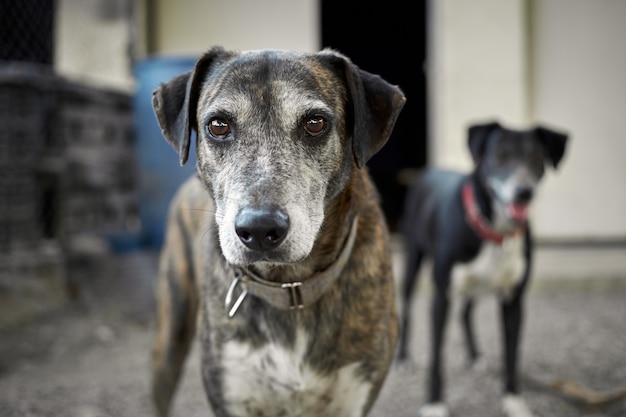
295, 294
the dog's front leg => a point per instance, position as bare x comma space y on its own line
177, 305
512, 320
512, 403
411, 279
468, 331
439, 313
511, 325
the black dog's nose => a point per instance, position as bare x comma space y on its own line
523, 194
262, 228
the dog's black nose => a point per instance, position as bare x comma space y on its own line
523, 194
262, 228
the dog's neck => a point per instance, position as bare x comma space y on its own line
481, 215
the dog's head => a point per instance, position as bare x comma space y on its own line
278, 134
510, 164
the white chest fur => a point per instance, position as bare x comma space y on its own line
274, 381
496, 268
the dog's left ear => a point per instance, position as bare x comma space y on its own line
375, 105
175, 104
553, 142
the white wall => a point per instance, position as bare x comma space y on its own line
579, 79
236, 24
476, 71
92, 39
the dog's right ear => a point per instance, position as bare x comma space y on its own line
175, 104
477, 138
373, 106
376, 107
554, 142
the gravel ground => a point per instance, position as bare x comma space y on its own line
91, 358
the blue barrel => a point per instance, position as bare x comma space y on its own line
160, 173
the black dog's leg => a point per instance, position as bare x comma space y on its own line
512, 317
468, 330
511, 328
439, 312
411, 278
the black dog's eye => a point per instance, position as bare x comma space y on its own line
218, 128
536, 158
502, 157
315, 126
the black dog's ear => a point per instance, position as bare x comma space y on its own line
553, 142
375, 105
477, 138
175, 104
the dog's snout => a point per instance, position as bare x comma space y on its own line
262, 229
523, 194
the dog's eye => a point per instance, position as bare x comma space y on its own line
315, 125
536, 158
502, 157
218, 128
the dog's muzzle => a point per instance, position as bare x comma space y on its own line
517, 210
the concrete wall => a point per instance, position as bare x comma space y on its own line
579, 83
92, 42
236, 24
476, 71
97, 41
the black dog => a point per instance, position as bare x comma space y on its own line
475, 228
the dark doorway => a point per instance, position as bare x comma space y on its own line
387, 38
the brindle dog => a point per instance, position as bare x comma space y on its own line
277, 251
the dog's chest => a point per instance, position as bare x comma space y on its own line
274, 380
496, 268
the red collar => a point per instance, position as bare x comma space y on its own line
479, 223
